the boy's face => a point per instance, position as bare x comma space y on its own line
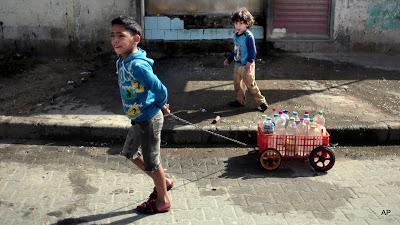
240, 27
123, 42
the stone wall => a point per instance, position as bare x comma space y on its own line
368, 25
56, 27
59, 26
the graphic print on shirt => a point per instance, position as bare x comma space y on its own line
134, 111
138, 88
130, 91
236, 50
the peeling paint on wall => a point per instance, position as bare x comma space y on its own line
384, 16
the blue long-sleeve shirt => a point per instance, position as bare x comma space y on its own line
142, 93
244, 48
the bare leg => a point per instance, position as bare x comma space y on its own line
159, 180
161, 187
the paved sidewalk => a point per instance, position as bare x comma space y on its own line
50, 184
362, 105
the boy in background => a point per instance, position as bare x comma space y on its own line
244, 55
144, 100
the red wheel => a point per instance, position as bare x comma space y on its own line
270, 159
322, 159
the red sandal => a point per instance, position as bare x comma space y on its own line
150, 207
153, 194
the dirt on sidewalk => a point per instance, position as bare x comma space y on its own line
29, 85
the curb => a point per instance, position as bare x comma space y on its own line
381, 133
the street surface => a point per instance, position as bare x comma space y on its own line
54, 183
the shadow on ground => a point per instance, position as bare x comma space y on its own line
248, 167
102, 216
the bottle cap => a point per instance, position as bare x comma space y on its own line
291, 119
294, 113
313, 126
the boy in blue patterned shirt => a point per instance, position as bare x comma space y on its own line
144, 100
244, 55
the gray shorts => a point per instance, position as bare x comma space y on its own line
144, 138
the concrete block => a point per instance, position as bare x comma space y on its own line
158, 34
210, 34
196, 34
147, 34
171, 35
177, 24
150, 22
258, 32
183, 34
225, 33
163, 22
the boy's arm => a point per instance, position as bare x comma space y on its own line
151, 82
251, 49
230, 57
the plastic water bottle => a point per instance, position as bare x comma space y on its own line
319, 119
280, 124
296, 117
263, 121
267, 126
314, 137
286, 116
291, 140
303, 128
280, 132
275, 118
303, 132
312, 122
292, 127
306, 117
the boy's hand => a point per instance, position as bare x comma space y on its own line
226, 62
248, 67
165, 109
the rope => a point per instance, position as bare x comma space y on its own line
210, 132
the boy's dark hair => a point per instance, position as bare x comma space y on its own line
128, 23
243, 15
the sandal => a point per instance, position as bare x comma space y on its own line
153, 194
150, 207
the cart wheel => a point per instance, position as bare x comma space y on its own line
270, 159
322, 159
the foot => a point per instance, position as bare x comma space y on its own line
150, 207
235, 103
262, 107
153, 195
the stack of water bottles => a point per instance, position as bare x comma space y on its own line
298, 136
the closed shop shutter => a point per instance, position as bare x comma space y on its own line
299, 19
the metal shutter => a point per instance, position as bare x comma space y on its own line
301, 18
